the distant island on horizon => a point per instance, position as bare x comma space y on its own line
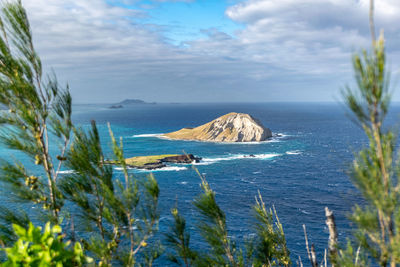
130, 102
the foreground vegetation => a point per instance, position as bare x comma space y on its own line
110, 221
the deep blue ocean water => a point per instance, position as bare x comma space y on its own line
300, 172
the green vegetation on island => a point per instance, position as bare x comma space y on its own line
143, 160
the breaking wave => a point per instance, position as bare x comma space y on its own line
147, 135
294, 152
276, 138
66, 172
167, 168
208, 161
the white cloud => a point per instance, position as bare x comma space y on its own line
313, 37
107, 54
323, 32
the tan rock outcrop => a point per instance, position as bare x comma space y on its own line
232, 127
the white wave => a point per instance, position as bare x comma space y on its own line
280, 135
168, 168
294, 152
147, 135
66, 172
276, 138
263, 156
183, 182
202, 163
272, 140
305, 212
246, 181
208, 161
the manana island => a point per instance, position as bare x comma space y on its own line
232, 127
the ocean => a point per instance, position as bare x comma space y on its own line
300, 171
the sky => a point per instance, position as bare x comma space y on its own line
208, 50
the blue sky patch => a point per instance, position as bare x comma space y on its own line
182, 21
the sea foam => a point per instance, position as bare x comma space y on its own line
208, 161
294, 152
167, 168
147, 135
66, 172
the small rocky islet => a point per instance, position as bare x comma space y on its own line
159, 161
232, 127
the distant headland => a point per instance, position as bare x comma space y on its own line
232, 127
128, 102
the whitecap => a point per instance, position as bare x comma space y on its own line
276, 138
294, 152
168, 168
208, 161
272, 140
281, 135
147, 135
121, 169
305, 212
183, 182
66, 172
264, 156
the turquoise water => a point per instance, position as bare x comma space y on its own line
300, 172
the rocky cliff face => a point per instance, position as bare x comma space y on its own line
232, 127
